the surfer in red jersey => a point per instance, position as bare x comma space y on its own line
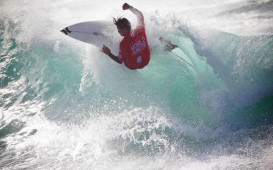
134, 50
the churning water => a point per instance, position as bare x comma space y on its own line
66, 105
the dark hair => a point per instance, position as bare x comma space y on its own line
122, 23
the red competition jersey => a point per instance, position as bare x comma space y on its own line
134, 48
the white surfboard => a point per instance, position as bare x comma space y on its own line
93, 32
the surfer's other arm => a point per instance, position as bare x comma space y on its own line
107, 51
138, 13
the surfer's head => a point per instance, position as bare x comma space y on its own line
123, 25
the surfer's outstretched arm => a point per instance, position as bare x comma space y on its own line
138, 13
107, 51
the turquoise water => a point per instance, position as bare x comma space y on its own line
65, 105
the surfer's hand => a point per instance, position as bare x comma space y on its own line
125, 6
105, 50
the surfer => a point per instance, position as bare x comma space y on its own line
134, 50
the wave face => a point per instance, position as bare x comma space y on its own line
65, 105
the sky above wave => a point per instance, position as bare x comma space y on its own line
241, 17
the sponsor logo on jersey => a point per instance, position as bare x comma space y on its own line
138, 46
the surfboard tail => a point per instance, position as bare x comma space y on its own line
65, 31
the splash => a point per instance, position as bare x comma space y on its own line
64, 104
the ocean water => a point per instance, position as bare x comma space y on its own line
65, 105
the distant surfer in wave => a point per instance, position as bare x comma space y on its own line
134, 50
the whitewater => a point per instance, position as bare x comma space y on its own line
65, 105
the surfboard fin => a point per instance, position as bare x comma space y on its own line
63, 31
66, 31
